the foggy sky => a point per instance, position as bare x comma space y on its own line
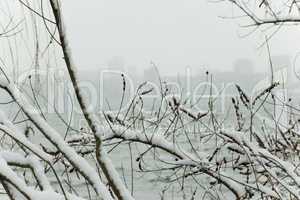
172, 33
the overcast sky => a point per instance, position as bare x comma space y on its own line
172, 33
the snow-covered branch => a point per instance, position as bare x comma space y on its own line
110, 172
57, 140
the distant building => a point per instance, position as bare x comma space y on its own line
282, 69
281, 61
150, 74
116, 63
132, 73
243, 66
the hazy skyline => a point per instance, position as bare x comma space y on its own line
173, 34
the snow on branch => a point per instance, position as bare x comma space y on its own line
17, 186
56, 139
109, 170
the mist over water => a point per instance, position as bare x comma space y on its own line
175, 91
